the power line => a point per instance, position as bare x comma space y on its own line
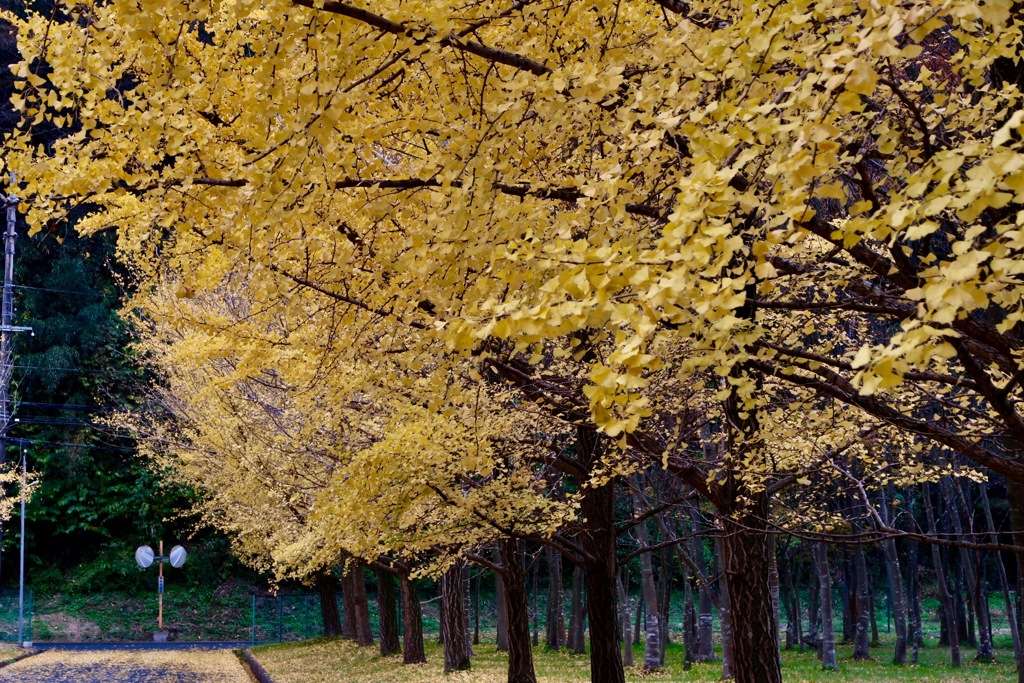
100, 295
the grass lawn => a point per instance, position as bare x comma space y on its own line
9, 652
324, 661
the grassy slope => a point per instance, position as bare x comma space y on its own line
324, 661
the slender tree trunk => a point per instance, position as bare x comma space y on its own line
520, 652
940, 579
665, 600
916, 634
652, 644
705, 621
896, 587
791, 606
349, 616
627, 635
745, 558
827, 644
724, 612
689, 621
476, 608
412, 624
1015, 498
972, 578
813, 607
325, 587
1004, 583
773, 584
364, 632
387, 610
860, 605
501, 616
638, 622
536, 597
453, 621
576, 617
555, 635
465, 608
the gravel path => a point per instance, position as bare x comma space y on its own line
122, 666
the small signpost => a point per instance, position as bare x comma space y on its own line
145, 557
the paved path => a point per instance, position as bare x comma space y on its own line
127, 666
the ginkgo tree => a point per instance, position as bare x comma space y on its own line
614, 173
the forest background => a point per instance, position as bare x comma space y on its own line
639, 284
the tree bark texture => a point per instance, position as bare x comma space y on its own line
412, 624
745, 558
453, 621
1004, 583
1015, 496
943, 588
520, 651
576, 614
327, 591
627, 631
597, 507
861, 610
555, 633
649, 591
364, 632
896, 587
827, 644
387, 611
501, 616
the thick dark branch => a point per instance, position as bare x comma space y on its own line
564, 194
386, 313
386, 25
843, 365
835, 385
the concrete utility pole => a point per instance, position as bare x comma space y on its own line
7, 330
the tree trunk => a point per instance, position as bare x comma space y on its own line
745, 558
972, 578
943, 588
861, 611
689, 620
555, 635
705, 622
453, 621
827, 644
387, 610
1004, 583
665, 600
627, 634
597, 507
520, 652
1015, 497
773, 584
349, 617
791, 606
724, 612
652, 643
916, 634
364, 632
893, 575
501, 616
325, 587
476, 607
576, 617
412, 624
536, 607
465, 608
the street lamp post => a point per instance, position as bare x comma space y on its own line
145, 557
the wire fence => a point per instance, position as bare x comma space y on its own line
9, 609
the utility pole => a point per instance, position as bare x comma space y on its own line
7, 330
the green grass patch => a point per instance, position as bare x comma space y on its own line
327, 660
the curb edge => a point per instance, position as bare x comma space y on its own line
255, 668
